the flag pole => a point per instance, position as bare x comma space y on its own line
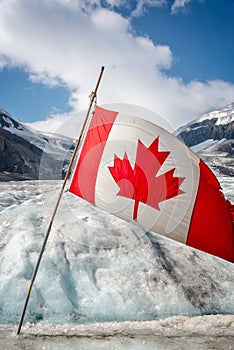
92, 99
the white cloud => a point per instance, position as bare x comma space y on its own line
106, 20
117, 3
3, 62
44, 78
142, 5
179, 5
67, 41
53, 124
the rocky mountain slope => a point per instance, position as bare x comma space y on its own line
28, 154
216, 126
211, 136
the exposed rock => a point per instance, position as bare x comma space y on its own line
28, 154
18, 155
216, 125
207, 129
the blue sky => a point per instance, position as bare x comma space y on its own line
200, 37
30, 101
173, 56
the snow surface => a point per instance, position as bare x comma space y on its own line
202, 332
179, 333
203, 145
224, 115
210, 148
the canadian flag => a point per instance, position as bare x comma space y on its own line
138, 171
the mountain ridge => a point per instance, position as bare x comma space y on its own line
22, 150
217, 126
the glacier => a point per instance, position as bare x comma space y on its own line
101, 276
97, 267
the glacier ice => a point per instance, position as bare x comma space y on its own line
97, 268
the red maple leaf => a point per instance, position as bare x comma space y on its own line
141, 183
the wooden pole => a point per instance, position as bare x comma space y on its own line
92, 98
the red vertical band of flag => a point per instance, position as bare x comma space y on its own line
211, 227
84, 178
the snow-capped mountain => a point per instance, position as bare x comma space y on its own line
22, 150
214, 129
